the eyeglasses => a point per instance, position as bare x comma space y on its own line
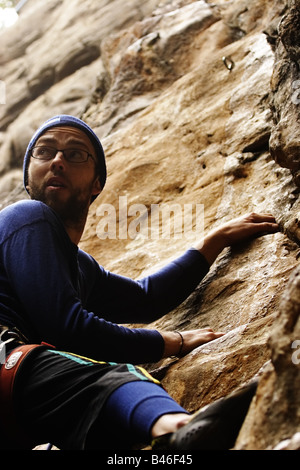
42, 152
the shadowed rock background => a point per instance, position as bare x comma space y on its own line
196, 102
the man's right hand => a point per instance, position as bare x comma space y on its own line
236, 231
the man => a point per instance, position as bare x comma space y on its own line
55, 293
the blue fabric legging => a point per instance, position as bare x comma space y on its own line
134, 407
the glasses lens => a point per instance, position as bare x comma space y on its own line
75, 155
43, 153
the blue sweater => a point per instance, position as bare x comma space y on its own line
54, 292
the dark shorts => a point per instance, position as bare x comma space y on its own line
59, 397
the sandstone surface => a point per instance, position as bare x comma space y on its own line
196, 103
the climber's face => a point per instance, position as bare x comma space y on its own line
62, 171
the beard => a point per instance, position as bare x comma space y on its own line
72, 210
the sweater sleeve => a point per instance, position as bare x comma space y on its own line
124, 300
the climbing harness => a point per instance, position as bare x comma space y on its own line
8, 373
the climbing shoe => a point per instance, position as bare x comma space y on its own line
214, 427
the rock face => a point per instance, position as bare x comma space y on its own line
285, 85
197, 106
